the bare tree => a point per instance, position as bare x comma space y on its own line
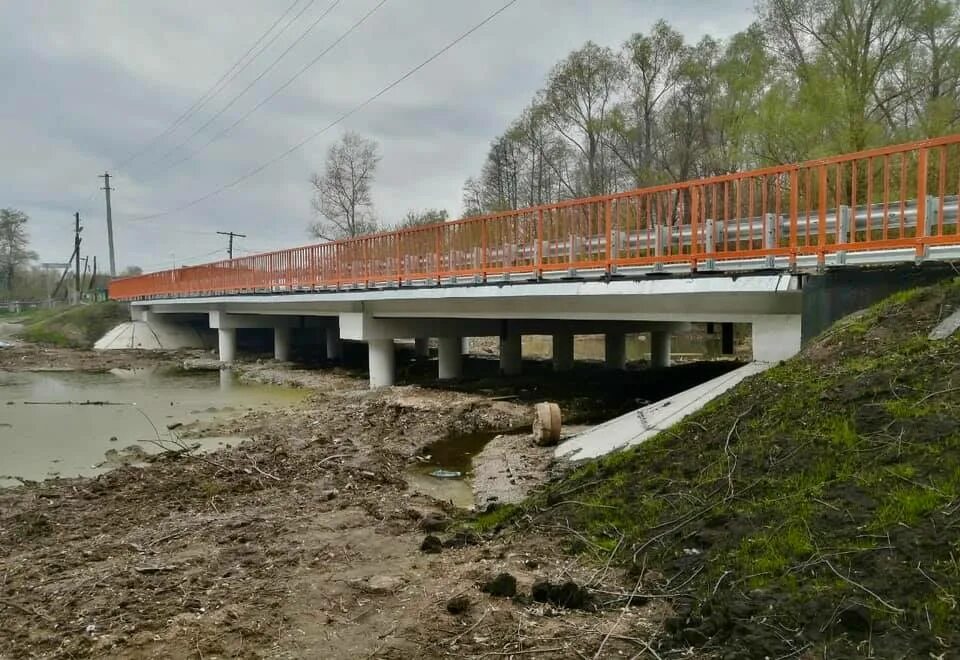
13, 245
342, 197
424, 218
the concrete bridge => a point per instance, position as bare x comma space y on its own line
785, 249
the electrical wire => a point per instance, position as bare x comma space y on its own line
221, 83
246, 89
326, 128
279, 89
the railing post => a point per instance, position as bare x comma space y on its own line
822, 217
770, 238
794, 213
608, 225
439, 254
843, 232
921, 202
694, 227
930, 219
710, 243
396, 251
538, 267
483, 250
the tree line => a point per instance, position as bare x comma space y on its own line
808, 78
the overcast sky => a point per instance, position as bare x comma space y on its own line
87, 83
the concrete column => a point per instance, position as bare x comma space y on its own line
659, 349
227, 343
421, 347
382, 363
776, 337
726, 339
511, 355
465, 346
451, 358
615, 351
281, 344
562, 351
333, 344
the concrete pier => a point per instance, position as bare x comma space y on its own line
421, 347
382, 363
451, 358
281, 344
511, 354
659, 349
615, 351
562, 351
333, 344
227, 344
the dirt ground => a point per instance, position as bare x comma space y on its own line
305, 542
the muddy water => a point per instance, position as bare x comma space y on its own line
76, 423
453, 454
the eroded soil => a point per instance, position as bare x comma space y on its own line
305, 542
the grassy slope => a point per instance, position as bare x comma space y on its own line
76, 327
777, 510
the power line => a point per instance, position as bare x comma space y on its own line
253, 82
326, 128
279, 89
232, 235
217, 87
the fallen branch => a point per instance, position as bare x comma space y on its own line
626, 606
933, 394
25, 609
843, 577
471, 628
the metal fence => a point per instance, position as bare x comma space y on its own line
896, 198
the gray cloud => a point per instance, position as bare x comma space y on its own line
88, 83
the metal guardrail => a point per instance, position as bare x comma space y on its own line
854, 208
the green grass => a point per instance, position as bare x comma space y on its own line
842, 469
74, 327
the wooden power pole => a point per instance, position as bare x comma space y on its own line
230, 243
76, 253
106, 188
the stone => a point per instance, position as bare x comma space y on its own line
431, 545
462, 538
383, 584
503, 585
458, 605
434, 522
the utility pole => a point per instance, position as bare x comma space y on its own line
107, 189
76, 252
232, 235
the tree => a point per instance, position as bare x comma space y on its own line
423, 218
13, 245
131, 271
342, 196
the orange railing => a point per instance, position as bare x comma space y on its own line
903, 196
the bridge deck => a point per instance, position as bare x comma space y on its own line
898, 203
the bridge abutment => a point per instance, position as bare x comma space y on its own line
776, 337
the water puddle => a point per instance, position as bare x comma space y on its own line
82, 423
433, 472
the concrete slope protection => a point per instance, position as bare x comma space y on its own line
145, 336
645, 423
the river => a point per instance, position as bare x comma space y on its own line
82, 423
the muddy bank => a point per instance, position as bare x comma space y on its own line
303, 542
23, 356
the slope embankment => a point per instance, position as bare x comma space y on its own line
814, 509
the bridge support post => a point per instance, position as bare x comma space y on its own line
451, 357
562, 351
511, 354
659, 349
382, 363
421, 347
615, 351
281, 344
227, 344
333, 344
726, 338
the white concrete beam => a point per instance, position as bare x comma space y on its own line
225, 321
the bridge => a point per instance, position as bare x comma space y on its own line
786, 249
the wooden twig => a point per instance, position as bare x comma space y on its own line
859, 586
626, 606
471, 628
266, 474
933, 394
26, 610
